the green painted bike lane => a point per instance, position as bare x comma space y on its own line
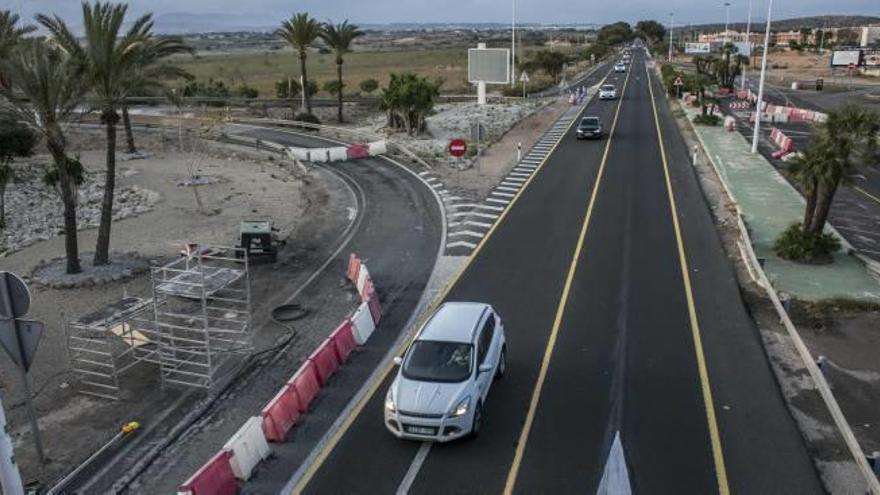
769, 204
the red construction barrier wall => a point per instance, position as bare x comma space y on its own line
358, 151
354, 267
343, 341
325, 361
375, 307
306, 385
280, 414
214, 478
368, 289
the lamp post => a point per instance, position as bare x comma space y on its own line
726, 22
763, 76
748, 43
671, 27
513, 45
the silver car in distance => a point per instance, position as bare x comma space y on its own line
445, 375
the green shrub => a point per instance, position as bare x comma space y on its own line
795, 244
369, 85
707, 120
307, 117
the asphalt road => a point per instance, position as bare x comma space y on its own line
621, 317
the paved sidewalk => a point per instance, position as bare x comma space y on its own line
769, 205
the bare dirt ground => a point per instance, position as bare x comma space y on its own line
833, 333
303, 206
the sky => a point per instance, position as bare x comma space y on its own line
536, 11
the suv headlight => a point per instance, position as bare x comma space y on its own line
389, 402
461, 408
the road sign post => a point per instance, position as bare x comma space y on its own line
20, 338
10, 477
524, 78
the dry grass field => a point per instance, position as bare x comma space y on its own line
260, 69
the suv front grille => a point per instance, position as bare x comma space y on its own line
420, 415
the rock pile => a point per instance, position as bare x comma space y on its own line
34, 210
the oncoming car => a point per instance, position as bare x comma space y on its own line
607, 92
445, 375
619, 68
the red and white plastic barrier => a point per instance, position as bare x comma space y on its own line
214, 478
249, 446
338, 153
782, 141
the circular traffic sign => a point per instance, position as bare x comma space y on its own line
457, 148
15, 298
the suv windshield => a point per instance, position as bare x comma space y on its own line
590, 122
608, 87
431, 361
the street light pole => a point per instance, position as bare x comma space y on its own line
726, 22
763, 77
748, 43
513, 45
671, 27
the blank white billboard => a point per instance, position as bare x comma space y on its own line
842, 58
489, 65
697, 48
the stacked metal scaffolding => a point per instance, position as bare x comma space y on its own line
199, 317
202, 313
104, 344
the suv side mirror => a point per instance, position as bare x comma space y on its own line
485, 368
398, 360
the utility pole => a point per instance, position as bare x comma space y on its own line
10, 478
513, 45
671, 27
748, 43
822, 41
757, 134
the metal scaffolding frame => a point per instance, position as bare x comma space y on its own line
199, 315
104, 344
202, 314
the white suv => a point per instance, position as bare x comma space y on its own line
607, 92
445, 375
619, 68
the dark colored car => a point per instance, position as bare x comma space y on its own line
589, 128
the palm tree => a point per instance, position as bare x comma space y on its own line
808, 171
150, 75
111, 63
11, 34
52, 86
339, 38
301, 31
849, 131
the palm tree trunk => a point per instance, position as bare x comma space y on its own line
823, 207
339, 94
810, 209
102, 247
68, 198
129, 136
305, 80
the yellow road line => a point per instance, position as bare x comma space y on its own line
371, 391
866, 193
715, 437
560, 310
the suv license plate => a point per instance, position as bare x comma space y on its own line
421, 430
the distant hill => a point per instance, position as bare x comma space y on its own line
816, 22
186, 23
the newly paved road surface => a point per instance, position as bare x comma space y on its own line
621, 317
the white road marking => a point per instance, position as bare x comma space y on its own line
479, 224
491, 216
487, 207
516, 185
461, 205
453, 224
503, 194
519, 174
506, 188
469, 245
615, 478
425, 173
469, 233
499, 201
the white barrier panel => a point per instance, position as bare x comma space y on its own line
301, 154
248, 447
339, 154
363, 325
319, 155
378, 148
363, 276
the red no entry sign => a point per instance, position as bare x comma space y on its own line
457, 148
